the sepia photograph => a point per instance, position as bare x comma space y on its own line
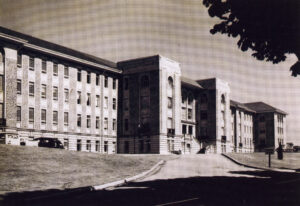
150, 102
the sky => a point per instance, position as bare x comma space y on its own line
178, 29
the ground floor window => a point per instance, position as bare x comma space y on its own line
148, 146
79, 145
97, 146
223, 148
88, 145
141, 146
126, 147
66, 143
106, 146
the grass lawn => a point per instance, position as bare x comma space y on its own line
33, 168
290, 160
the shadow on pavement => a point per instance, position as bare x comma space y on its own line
265, 188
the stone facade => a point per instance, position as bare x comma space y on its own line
140, 105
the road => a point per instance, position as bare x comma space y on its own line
191, 180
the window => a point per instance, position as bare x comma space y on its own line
43, 116
19, 114
114, 83
88, 145
114, 125
183, 113
88, 121
55, 117
170, 82
66, 118
105, 146
183, 97
97, 79
19, 60
190, 99
105, 82
126, 83
97, 146
126, 125
88, 78
31, 115
55, 69
97, 100
66, 92
19, 86
97, 122
55, 93
145, 81
66, 72
79, 75
105, 126
31, 63
114, 104
31, 88
78, 120
183, 129
78, 97
223, 99
66, 143
105, 102
43, 91
79, 145
190, 130
170, 103
44, 67
190, 114
88, 99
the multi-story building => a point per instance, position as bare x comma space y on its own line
140, 105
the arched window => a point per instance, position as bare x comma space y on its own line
203, 99
190, 98
145, 81
170, 82
223, 99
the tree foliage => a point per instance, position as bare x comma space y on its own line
270, 28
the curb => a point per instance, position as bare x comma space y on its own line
261, 168
129, 179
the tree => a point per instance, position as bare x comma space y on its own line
270, 28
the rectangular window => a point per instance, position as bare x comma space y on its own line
105, 126
190, 130
88, 121
97, 122
105, 146
170, 103
126, 83
88, 99
78, 120
19, 86
55, 69
66, 118
31, 115
66, 143
78, 97
114, 125
126, 125
97, 79
66, 72
79, 145
97, 101
190, 114
44, 67
18, 114
55, 117
114, 106
55, 93
88, 145
114, 83
105, 102
43, 116
66, 92
31, 88
79, 75
97, 146
183, 129
88, 77
105, 82
43, 91
31, 63
19, 60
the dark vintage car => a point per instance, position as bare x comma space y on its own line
50, 142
